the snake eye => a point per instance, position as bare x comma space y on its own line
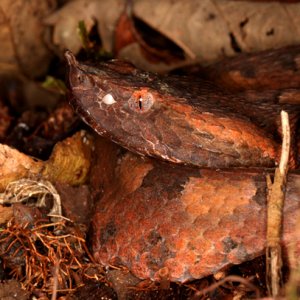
141, 101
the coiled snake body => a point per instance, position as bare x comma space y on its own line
176, 220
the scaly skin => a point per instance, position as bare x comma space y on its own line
162, 220
171, 222
194, 124
267, 70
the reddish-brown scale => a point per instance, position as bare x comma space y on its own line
158, 218
172, 119
189, 222
275, 69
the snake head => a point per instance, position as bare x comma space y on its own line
167, 118
116, 100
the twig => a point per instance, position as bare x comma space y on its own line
274, 214
55, 279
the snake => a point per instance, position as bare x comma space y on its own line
189, 197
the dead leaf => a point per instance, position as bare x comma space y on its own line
24, 190
15, 165
135, 55
70, 160
209, 30
65, 22
205, 31
23, 49
68, 163
124, 32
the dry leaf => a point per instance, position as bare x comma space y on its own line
23, 51
205, 30
15, 165
21, 191
211, 29
22, 37
69, 162
65, 22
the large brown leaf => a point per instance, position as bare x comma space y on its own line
22, 45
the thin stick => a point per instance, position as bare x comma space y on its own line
286, 143
55, 279
274, 214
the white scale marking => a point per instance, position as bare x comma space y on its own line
108, 99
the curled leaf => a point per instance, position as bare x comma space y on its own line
70, 160
68, 163
24, 189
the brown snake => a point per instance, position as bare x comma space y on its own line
163, 220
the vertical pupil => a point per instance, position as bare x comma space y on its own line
140, 102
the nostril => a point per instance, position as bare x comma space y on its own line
79, 78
